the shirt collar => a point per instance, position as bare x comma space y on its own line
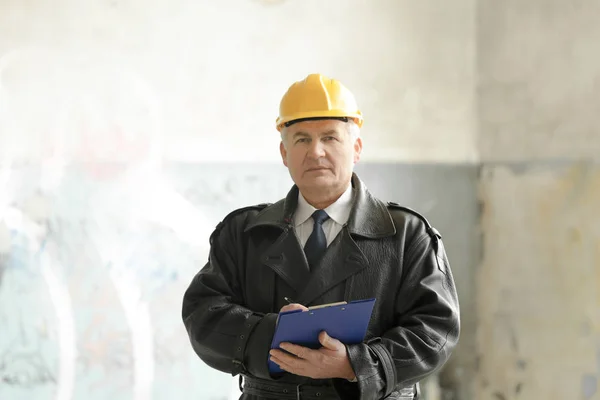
339, 211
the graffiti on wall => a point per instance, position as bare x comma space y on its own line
96, 242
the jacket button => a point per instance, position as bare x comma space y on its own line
241, 336
318, 394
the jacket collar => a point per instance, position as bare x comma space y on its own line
369, 216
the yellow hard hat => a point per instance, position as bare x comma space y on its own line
317, 97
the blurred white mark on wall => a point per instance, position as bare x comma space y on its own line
61, 300
93, 114
140, 325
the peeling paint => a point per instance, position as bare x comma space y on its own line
539, 281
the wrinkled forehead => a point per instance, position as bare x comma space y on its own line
316, 127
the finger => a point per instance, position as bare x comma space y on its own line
278, 353
289, 359
276, 360
329, 342
289, 362
299, 351
283, 365
292, 307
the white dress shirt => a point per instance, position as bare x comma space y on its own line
338, 216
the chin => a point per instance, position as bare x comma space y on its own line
321, 181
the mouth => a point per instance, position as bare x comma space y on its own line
317, 169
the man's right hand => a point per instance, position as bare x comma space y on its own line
293, 306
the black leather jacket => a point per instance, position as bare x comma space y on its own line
384, 251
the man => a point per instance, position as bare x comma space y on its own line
329, 240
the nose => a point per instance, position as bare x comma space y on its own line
316, 149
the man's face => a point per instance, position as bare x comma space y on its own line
320, 155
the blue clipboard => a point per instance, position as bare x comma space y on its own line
347, 323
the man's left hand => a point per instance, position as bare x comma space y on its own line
330, 361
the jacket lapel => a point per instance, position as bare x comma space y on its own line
286, 258
369, 218
342, 259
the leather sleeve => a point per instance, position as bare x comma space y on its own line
224, 334
427, 325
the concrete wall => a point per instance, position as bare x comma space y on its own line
538, 330
92, 272
538, 80
538, 284
195, 75
128, 129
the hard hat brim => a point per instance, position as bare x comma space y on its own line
357, 117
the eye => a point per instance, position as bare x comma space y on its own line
330, 138
302, 140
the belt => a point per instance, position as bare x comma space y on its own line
281, 390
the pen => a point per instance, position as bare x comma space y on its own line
290, 301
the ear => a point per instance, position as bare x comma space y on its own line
283, 152
357, 149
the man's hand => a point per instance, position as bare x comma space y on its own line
330, 361
293, 306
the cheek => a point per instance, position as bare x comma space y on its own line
294, 159
343, 156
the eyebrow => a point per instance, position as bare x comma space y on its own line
305, 134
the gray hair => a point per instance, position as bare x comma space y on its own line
351, 127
